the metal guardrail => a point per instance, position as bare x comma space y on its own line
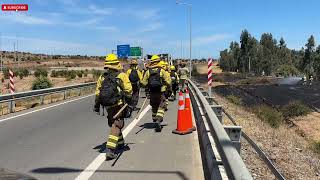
231, 160
42, 92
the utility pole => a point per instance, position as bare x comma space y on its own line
1, 51
181, 50
14, 51
190, 32
18, 54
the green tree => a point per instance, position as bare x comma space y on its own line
244, 57
309, 56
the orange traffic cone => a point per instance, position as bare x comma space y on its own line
188, 112
182, 125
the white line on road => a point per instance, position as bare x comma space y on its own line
19, 115
96, 163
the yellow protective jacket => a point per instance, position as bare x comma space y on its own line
183, 73
124, 83
166, 79
138, 71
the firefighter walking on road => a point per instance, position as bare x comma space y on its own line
135, 77
113, 91
156, 79
167, 89
183, 73
175, 82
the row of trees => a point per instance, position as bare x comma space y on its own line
270, 57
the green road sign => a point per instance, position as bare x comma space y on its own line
135, 51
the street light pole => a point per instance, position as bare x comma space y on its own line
190, 31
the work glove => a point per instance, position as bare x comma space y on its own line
128, 111
128, 100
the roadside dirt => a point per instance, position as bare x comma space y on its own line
309, 125
289, 151
25, 84
56, 63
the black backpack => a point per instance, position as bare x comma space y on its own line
134, 77
109, 92
155, 81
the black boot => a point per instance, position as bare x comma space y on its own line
110, 155
158, 124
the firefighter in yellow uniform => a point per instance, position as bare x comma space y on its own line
157, 79
113, 91
135, 77
167, 89
175, 82
183, 73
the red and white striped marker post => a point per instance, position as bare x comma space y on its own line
11, 103
209, 76
11, 75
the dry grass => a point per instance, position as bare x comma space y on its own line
289, 151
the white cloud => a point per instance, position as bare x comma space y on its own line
100, 11
106, 28
143, 14
151, 27
210, 39
51, 46
25, 19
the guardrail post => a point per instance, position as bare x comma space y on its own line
11, 105
80, 91
64, 95
41, 100
210, 100
234, 133
217, 109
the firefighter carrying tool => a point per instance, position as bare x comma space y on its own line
135, 77
114, 91
156, 79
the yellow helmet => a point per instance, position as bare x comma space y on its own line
155, 58
111, 59
112, 62
173, 68
134, 62
163, 65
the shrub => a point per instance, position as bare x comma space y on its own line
41, 82
72, 74
6, 73
295, 109
24, 71
96, 73
269, 115
40, 72
234, 99
54, 73
316, 146
80, 73
194, 71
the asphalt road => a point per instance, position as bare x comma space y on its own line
60, 142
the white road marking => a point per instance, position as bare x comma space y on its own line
96, 163
19, 115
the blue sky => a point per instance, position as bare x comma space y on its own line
95, 27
